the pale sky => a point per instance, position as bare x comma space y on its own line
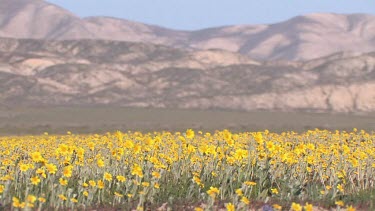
197, 14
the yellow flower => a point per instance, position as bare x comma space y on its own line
340, 188
198, 209
277, 207
258, 138
296, 207
108, 176
140, 208
41, 199
91, 145
118, 194
245, 200
350, 208
156, 185
190, 134
240, 154
92, 183
28, 204
15, 199
129, 144
16, 203
121, 178
55, 162
41, 172
63, 149
230, 207
198, 181
308, 207
63, 182
35, 180
100, 184
137, 170
100, 163
340, 203
250, 183
213, 191
24, 167
31, 198
67, 171
37, 157
270, 146
155, 174
52, 169
239, 192
274, 191
62, 197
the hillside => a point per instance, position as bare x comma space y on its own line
88, 72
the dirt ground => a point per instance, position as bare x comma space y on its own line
19, 121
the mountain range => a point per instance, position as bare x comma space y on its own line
299, 38
316, 62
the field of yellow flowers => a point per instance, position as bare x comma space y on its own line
220, 170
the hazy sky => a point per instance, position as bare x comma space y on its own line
196, 14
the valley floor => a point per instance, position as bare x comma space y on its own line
20, 121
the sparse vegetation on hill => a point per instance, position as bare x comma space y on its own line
88, 72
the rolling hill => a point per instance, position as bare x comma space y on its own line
94, 72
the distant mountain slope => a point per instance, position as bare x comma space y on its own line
89, 72
300, 38
36, 19
39, 19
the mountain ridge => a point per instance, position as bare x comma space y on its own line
299, 39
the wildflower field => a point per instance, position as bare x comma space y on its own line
190, 170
